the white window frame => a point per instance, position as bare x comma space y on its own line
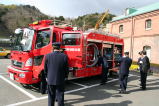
121, 26
146, 24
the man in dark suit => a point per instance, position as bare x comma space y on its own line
125, 64
104, 75
56, 70
144, 69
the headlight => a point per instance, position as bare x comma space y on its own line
29, 62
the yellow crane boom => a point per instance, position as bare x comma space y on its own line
101, 19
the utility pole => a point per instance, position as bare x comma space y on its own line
54, 21
84, 24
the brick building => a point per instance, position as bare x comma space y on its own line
140, 30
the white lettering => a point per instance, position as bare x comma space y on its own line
72, 49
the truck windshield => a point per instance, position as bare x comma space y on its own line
71, 38
23, 40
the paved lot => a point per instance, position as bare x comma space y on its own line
81, 92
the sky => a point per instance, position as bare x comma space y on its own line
75, 8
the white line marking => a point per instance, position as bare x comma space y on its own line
88, 87
3, 73
79, 84
28, 101
17, 87
67, 92
130, 75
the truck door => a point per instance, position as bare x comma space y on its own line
43, 46
72, 44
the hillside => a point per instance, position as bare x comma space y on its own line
12, 17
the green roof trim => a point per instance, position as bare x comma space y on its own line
134, 12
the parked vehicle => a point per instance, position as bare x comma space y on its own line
33, 43
5, 53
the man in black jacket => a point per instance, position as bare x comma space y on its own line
125, 64
144, 69
104, 75
56, 70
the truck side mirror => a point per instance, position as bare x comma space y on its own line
11, 38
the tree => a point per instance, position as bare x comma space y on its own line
61, 18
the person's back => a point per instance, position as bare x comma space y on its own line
56, 70
56, 64
104, 75
125, 65
146, 64
105, 62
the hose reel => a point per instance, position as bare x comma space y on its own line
92, 54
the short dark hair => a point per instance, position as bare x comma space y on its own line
140, 53
56, 45
144, 52
126, 53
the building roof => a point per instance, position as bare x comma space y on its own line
133, 11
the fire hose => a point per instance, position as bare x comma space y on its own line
95, 56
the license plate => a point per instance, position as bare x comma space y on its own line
11, 76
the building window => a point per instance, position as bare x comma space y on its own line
148, 24
121, 29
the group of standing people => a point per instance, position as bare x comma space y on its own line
56, 70
125, 63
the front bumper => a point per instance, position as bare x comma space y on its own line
22, 76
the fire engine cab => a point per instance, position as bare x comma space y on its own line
30, 45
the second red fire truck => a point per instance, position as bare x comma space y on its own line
33, 43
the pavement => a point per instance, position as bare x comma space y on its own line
81, 92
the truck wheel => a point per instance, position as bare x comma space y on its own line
8, 56
43, 83
25, 86
110, 73
43, 87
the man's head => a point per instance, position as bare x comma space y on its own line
140, 53
126, 54
144, 52
56, 45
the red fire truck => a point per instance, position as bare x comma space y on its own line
33, 43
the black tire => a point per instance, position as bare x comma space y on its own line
26, 86
43, 84
8, 56
110, 73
